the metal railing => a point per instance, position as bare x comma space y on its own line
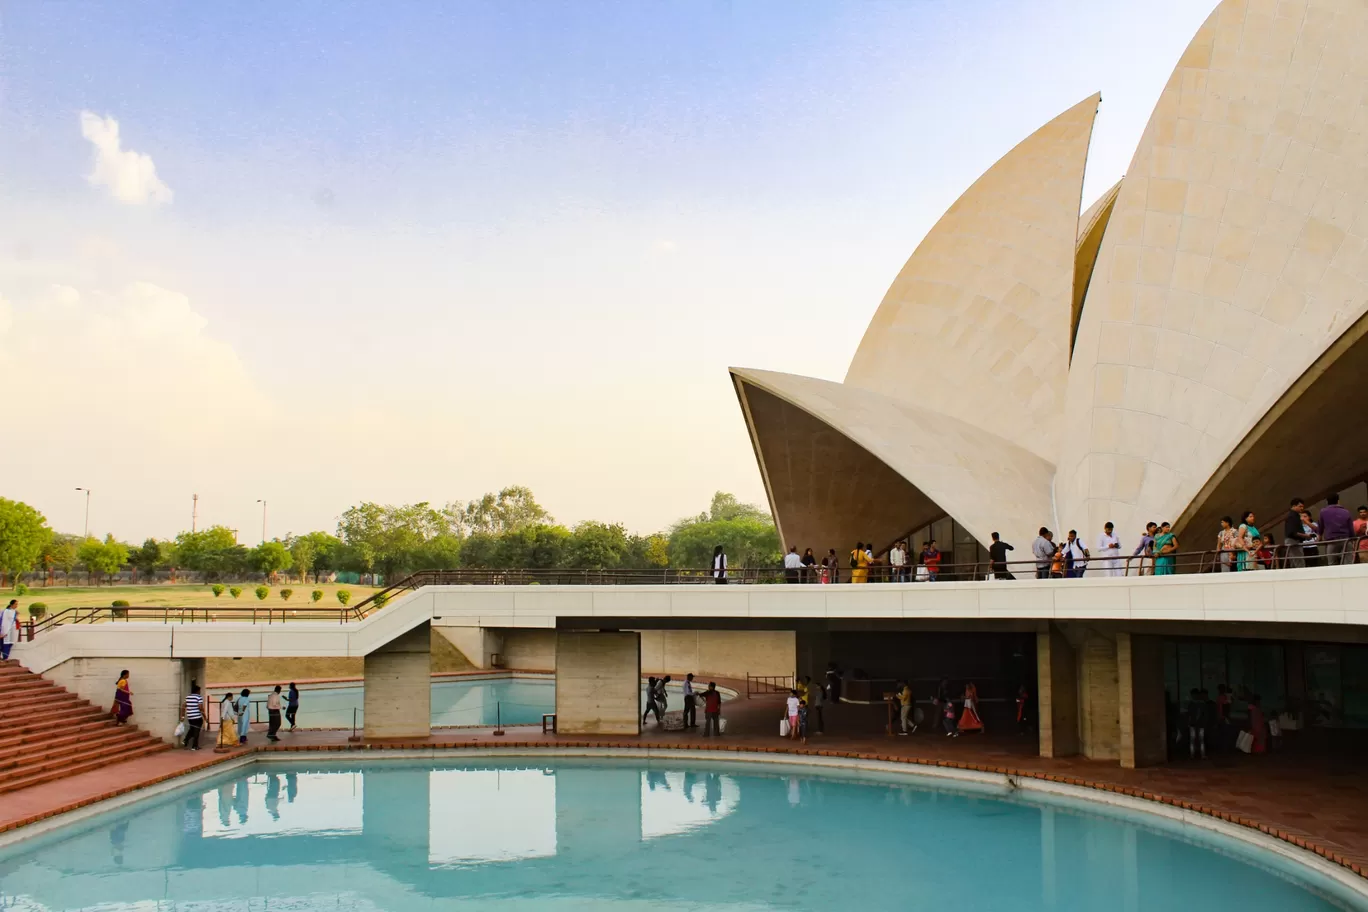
1327, 553
760, 685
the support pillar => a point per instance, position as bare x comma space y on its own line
398, 679
1098, 698
813, 652
598, 683
1057, 697
1140, 679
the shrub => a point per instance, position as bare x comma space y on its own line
343, 596
286, 593
120, 608
119, 603
380, 600
37, 610
262, 592
316, 595
20, 589
235, 591
218, 589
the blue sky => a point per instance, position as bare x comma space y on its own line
419, 251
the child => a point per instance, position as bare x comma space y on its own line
949, 720
793, 704
802, 720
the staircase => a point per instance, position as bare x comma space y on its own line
48, 733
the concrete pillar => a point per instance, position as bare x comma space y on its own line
1098, 698
1140, 681
813, 653
1057, 697
598, 683
159, 687
398, 678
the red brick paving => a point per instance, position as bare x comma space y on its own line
1317, 802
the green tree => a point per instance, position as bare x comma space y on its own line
748, 543
60, 553
480, 551
217, 589
511, 509
389, 539
316, 596
148, 558
537, 546
102, 558
24, 535
343, 596
441, 552
647, 551
213, 552
597, 545
269, 558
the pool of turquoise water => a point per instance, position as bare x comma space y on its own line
482, 701
630, 835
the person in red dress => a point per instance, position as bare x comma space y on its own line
970, 719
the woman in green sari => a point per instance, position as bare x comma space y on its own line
1250, 541
1165, 544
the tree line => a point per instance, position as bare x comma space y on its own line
507, 529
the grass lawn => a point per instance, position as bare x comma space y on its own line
198, 595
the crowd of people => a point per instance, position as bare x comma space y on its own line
1333, 537
1207, 726
658, 704
235, 714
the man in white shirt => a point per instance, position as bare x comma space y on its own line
1109, 552
793, 566
897, 559
1076, 556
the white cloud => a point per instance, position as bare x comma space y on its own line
130, 177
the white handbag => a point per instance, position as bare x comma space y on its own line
1245, 741
783, 728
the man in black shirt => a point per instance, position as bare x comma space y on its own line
1294, 535
997, 556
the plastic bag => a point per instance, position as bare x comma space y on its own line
1245, 741
721, 725
783, 728
1274, 729
182, 728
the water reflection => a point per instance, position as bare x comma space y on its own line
318, 804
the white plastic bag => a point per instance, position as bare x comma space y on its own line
1274, 729
721, 725
182, 728
1245, 741
783, 728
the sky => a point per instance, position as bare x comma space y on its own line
327, 252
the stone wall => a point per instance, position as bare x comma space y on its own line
722, 653
398, 692
1057, 699
598, 683
159, 687
1140, 680
1098, 698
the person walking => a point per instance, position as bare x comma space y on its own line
1197, 724
292, 705
651, 705
123, 699
906, 704
1109, 552
1337, 530
793, 566
816, 699
997, 558
719, 566
194, 718
227, 737
690, 712
9, 628
244, 714
1293, 536
970, 720
1044, 551
791, 707
273, 714
712, 711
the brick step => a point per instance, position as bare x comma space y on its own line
109, 752
26, 780
85, 729
40, 721
17, 708
32, 687
77, 746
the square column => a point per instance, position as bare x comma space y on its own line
398, 678
1057, 697
598, 683
1140, 679
1098, 698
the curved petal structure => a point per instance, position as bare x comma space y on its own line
843, 464
1091, 226
1235, 257
989, 291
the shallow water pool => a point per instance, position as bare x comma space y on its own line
568, 834
510, 699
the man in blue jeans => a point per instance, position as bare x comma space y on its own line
690, 713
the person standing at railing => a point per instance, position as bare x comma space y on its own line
1145, 551
719, 566
1337, 527
1251, 539
1293, 535
1311, 540
859, 564
1109, 553
997, 558
832, 563
273, 714
1075, 557
793, 566
9, 628
1227, 543
1044, 551
1165, 544
1361, 535
897, 560
809, 566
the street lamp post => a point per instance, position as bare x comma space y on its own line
262, 501
87, 521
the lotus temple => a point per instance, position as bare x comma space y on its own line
1180, 349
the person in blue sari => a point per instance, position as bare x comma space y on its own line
244, 714
1165, 544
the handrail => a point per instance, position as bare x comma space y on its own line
1328, 553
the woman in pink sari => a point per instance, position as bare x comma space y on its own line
123, 699
970, 719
